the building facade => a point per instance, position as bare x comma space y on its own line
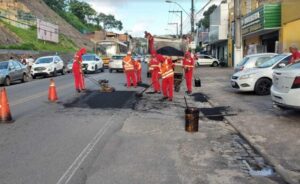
218, 33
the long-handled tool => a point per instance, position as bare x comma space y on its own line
186, 104
92, 80
139, 95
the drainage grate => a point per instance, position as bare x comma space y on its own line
98, 100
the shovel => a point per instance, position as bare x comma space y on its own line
140, 95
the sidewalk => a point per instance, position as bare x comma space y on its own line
152, 147
273, 132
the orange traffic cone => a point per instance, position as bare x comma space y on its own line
52, 96
5, 116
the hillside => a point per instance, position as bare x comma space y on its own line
70, 38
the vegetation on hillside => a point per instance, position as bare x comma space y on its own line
205, 21
82, 16
30, 41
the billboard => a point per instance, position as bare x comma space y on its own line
47, 31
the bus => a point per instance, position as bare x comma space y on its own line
108, 48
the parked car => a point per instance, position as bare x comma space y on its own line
259, 79
116, 63
146, 59
285, 91
92, 63
48, 66
207, 60
252, 61
69, 67
11, 71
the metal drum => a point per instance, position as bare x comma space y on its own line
191, 119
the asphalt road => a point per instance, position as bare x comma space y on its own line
46, 139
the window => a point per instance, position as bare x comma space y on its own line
207, 57
261, 60
17, 66
11, 66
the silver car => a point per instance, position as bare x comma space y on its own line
11, 71
252, 61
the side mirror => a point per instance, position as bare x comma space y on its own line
282, 65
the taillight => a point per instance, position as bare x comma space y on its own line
296, 83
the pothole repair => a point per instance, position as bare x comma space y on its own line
100, 100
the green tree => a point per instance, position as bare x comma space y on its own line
108, 22
205, 22
82, 10
57, 5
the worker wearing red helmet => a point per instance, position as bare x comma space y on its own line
128, 66
77, 70
188, 66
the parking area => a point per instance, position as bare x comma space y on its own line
273, 131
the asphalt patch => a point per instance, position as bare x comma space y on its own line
215, 113
200, 97
99, 100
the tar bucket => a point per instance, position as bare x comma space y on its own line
191, 119
197, 82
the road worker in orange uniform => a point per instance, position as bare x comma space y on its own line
138, 70
128, 66
154, 68
188, 66
77, 71
167, 75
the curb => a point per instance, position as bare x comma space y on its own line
277, 166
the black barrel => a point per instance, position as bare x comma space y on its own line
191, 119
197, 82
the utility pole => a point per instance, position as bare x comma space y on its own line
180, 20
175, 23
192, 17
238, 50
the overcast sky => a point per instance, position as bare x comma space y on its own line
151, 15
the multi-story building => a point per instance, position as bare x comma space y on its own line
218, 32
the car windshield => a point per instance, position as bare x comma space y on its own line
244, 61
272, 61
44, 60
295, 66
88, 57
118, 57
3, 65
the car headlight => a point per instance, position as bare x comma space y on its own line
246, 76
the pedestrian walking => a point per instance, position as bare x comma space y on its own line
154, 68
188, 66
138, 70
295, 54
128, 66
167, 75
77, 71
30, 61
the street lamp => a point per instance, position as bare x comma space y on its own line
190, 15
168, 1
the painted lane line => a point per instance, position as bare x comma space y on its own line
38, 95
67, 176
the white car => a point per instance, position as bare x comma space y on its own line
285, 91
207, 60
47, 66
259, 79
116, 63
252, 61
92, 63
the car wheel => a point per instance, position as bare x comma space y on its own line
63, 71
102, 69
263, 86
96, 69
24, 78
54, 73
7, 81
110, 70
33, 76
215, 64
